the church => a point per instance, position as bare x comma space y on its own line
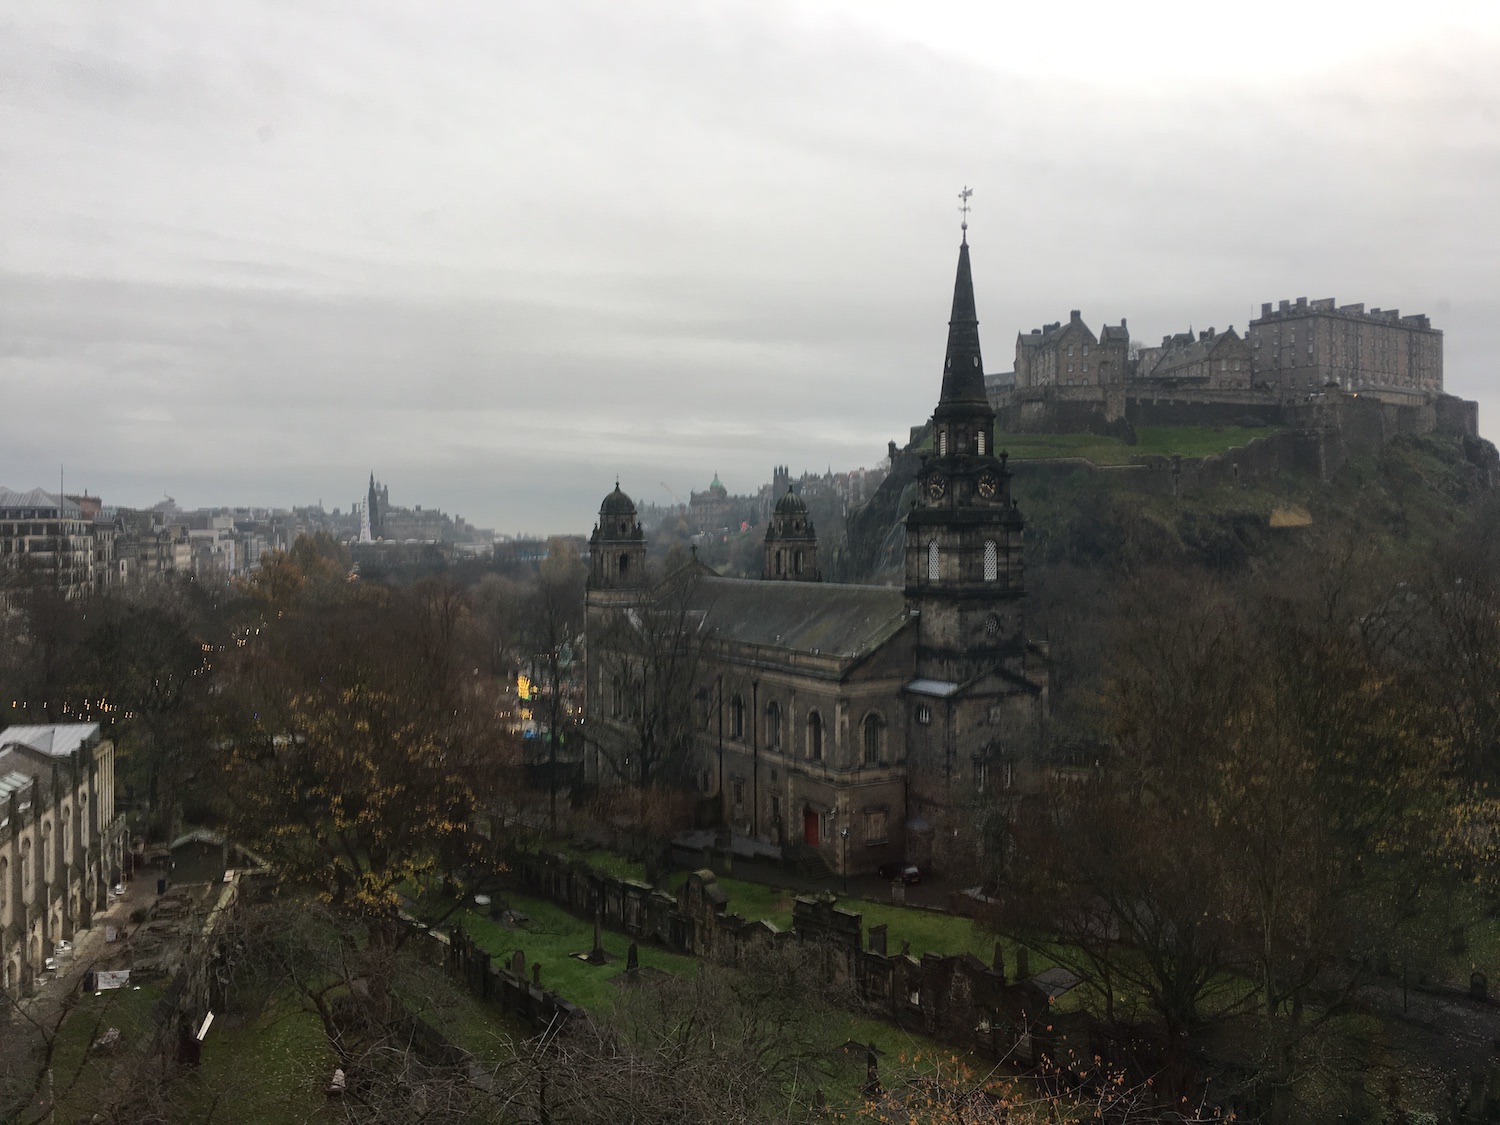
868, 724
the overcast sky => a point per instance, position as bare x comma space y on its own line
499, 252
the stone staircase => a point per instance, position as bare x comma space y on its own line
808, 862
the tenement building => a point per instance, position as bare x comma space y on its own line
47, 538
870, 724
1302, 345
61, 844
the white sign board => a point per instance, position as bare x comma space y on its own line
114, 978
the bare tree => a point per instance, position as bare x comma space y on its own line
649, 659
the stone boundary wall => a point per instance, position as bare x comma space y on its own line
1364, 420
508, 990
957, 998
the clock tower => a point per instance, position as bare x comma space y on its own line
964, 571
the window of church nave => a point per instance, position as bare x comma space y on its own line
815, 736
991, 561
932, 561
872, 727
737, 718
773, 725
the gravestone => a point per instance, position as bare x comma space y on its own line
632, 958
596, 955
1023, 963
906, 949
536, 973
872, 1071
1479, 987
999, 963
877, 939
898, 893
518, 963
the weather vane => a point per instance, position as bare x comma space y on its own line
963, 205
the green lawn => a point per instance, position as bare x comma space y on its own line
1188, 441
552, 937
267, 1071
81, 1080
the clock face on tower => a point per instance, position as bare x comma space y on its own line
937, 488
988, 486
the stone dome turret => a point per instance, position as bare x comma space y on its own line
617, 504
791, 504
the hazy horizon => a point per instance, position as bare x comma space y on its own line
498, 258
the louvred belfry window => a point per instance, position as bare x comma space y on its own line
991, 561
932, 561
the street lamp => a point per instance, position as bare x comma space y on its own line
844, 866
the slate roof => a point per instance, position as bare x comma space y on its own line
1114, 332
57, 740
1185, 351
36, 498
826, 618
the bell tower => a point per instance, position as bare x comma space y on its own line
791, 542
964, 571
617, 548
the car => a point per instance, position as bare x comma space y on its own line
906, 873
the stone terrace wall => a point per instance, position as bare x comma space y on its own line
958, 999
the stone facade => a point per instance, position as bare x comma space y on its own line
50, 538
1070, 355
61, 844
1211, 361
1301, 346
791, 542
863, 723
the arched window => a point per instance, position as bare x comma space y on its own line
942, 443
991, 561
624, 564
773, 725
797, 563
932, 561
979, 443
67, 836
47, 860
737, 718
872, 740
617, 698
4, 890
779, 562
25, 869
815, 736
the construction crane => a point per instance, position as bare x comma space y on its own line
672, 494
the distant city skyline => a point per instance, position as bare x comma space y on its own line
499, 257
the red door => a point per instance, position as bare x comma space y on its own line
810, 828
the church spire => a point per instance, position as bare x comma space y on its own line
963, 367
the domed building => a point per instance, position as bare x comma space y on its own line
617, 547
791, 542
862, 724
